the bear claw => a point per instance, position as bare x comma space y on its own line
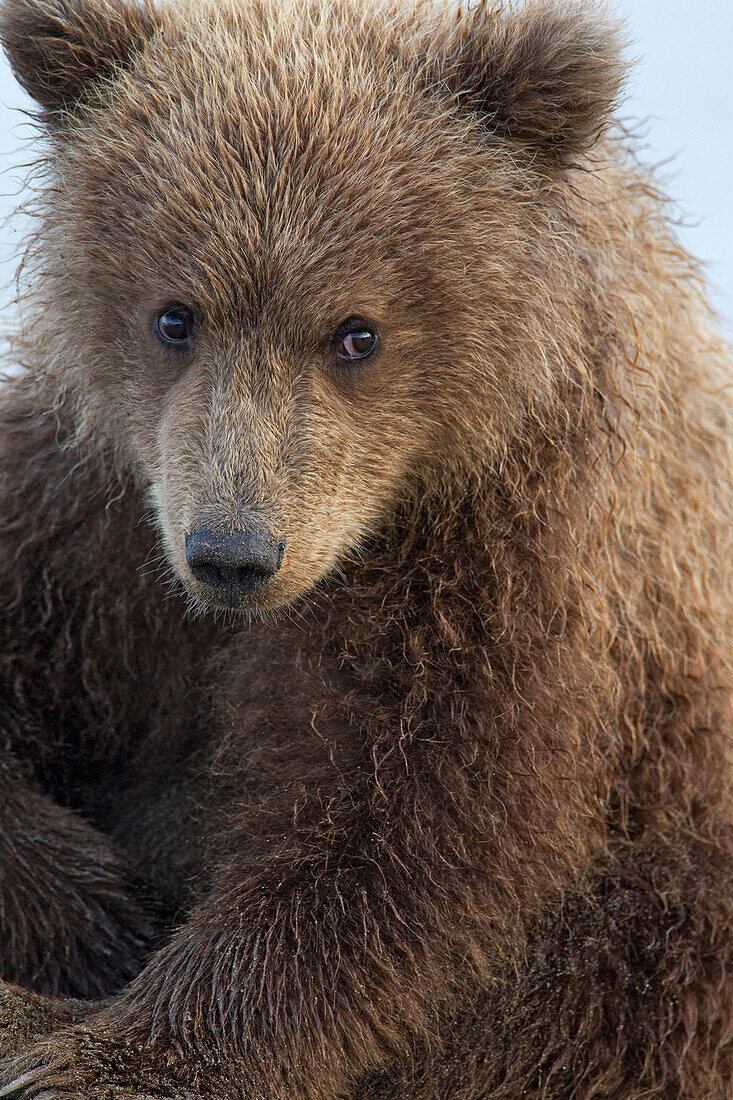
16, 1087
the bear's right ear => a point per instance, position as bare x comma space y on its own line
60, 49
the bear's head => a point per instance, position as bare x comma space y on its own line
300, 260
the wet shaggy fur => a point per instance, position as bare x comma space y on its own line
444, 811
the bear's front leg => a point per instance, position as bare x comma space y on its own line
295, 976
72, 919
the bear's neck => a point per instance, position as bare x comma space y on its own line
489, 587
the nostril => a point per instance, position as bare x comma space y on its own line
247, 578
207, 573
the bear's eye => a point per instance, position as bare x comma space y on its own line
355, 340
174, 327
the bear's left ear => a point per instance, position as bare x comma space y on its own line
547, 75
61, 49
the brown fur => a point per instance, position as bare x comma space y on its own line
446, 811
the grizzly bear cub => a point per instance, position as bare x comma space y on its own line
366, 593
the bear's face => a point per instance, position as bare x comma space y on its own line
316, 260
296, 277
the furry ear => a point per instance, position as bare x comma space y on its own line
547, 74
59, 49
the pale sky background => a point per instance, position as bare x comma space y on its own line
682, 86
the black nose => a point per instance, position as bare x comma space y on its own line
235, 564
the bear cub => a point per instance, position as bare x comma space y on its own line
366, 562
